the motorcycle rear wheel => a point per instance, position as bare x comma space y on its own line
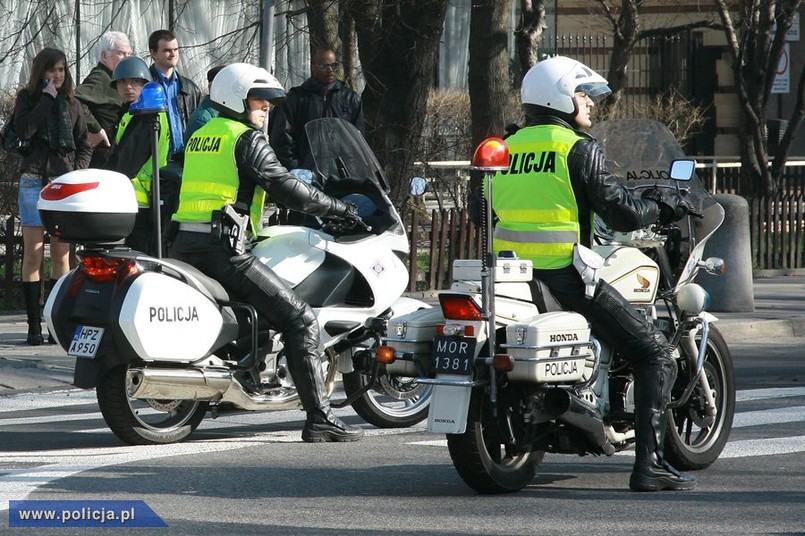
145, 422
483, 457
396, 402
694, 440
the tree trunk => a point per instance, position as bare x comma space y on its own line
626, 30
323, 24
529, 29
398, 43
488, 71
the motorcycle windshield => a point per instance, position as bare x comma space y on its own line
640, 151
347, 168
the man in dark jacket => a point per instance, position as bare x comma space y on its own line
102, 104
230, 165
558, 178
321, 95
182, 93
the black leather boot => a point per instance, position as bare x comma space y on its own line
653, 382
32, 291
321, 424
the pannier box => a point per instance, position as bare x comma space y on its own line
413, 334
550, 348
505, 270
88, 205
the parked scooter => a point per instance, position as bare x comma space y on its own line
515, 377
162, 343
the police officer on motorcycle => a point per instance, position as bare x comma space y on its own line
229, 166
544, 204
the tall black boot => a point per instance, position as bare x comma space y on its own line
321, 425
32, 291
653, 382
49, 284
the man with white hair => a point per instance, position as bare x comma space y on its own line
102, 104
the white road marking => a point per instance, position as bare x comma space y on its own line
16, 484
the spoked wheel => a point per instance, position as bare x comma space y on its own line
486, 457
695, 439
396, 402
145, 422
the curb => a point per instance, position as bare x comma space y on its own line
741, 330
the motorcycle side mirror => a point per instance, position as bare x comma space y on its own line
683, 169
417, 186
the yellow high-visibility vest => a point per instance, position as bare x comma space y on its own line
142, 181
210, 178
534, 199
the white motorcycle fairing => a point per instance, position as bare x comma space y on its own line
297, 253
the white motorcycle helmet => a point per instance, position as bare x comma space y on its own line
235, 82
552, 82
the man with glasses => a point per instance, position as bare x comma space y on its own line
183, 94
102, 105
321, 95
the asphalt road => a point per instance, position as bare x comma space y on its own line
249, 473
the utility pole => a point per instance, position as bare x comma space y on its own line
267, 37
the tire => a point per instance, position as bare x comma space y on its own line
145, 422
482, 457
693, 441
396, 402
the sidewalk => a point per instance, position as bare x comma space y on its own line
779, 312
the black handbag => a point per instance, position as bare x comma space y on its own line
12, 142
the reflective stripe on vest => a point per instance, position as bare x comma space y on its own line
210, 178
142, 181
534, 198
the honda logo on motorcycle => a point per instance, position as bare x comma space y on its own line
187, 313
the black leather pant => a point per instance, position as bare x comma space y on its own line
618, 323
250, 281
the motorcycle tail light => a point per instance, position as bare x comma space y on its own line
102, 269
460, 307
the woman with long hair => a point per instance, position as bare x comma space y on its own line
47, 113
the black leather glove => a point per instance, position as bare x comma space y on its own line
350, 215
671, 204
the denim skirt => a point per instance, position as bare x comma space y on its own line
30, 186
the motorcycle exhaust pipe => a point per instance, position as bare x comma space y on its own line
568, 408
177, 384
195, 384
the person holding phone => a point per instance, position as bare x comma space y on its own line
47, 113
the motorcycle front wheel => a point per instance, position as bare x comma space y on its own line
396, 402
486, 455
694, 439
145, 422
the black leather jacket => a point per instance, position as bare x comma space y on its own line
305, 103
258, 165
595, 187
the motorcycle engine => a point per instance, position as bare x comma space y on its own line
622, 399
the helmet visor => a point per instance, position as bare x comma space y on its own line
272, 95
596, 90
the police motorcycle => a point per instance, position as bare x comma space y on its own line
162, 343
545, 383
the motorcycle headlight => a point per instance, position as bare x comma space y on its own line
692, 298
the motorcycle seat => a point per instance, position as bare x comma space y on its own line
543, 298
